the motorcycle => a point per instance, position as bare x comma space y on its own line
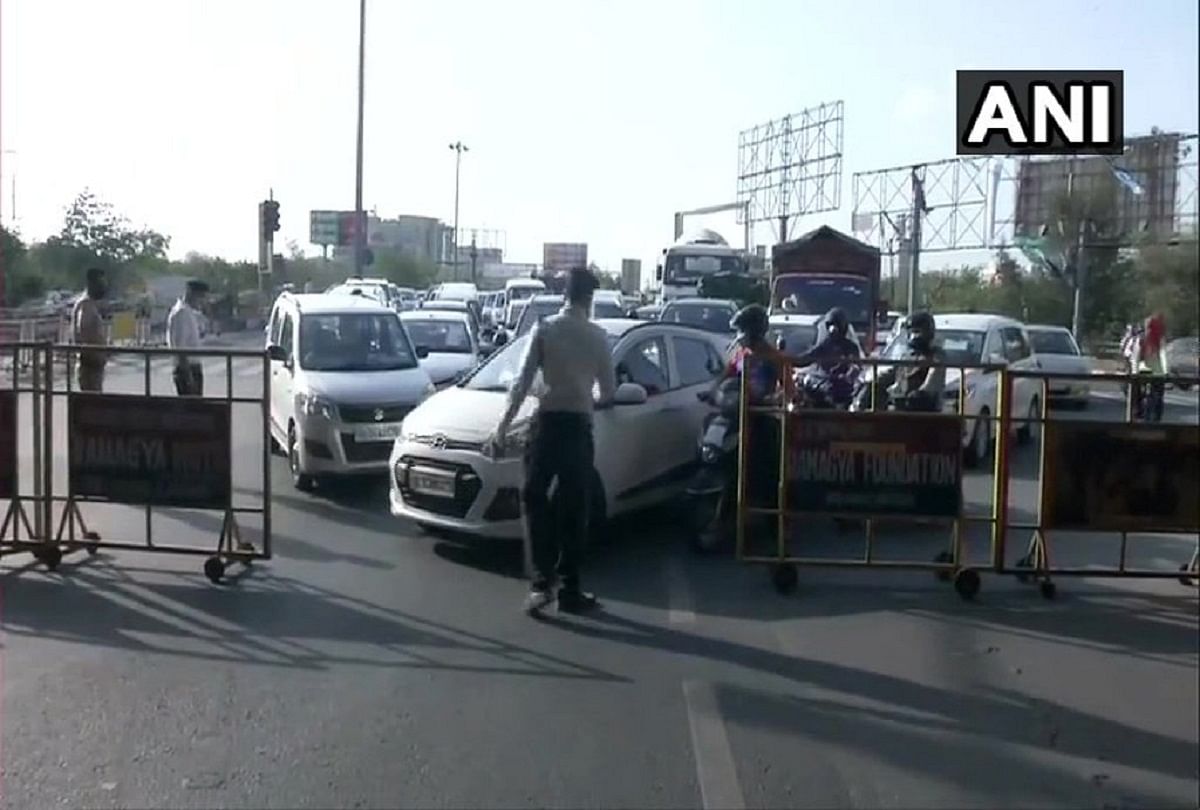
834, 389
712, 492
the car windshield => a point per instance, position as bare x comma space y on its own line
709, 317
961, 347
501, 370
1052, 341
354, 342
607, 309
797, 337
523, 293
816, 295
682, 269
536, 311
442, 337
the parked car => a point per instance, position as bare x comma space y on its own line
1183, 359
344, 375
1057, 352
709, 314
447, 338
444, 476
983, 339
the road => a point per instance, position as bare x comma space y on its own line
369, 665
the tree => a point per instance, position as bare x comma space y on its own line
94, 234
12, 261
405, 270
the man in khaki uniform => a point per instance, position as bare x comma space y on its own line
87, 329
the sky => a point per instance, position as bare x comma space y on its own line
586, 120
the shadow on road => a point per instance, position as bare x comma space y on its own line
268, 620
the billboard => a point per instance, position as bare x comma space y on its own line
333, 228
563, 256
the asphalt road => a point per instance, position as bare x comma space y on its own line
369, 665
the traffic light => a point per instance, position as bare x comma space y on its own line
269, 211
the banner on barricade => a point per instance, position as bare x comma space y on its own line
161, 451
875, 464
8, 444
1114, 477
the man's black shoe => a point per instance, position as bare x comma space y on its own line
576, 601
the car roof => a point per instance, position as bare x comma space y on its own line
434, 314
335, 303
446, 304
974, 322
1045, 327
547, 298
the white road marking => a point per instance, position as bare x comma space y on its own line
715, 768
680, 604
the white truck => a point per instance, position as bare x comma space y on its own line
691, 258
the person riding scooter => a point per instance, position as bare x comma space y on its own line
919, 387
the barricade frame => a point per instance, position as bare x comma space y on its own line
33, 357
947, 565
1036, 565
72, 532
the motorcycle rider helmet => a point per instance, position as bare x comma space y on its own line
921, 330
837, 323
751, 323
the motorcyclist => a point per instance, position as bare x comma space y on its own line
1149, 357
835, 346
917, 387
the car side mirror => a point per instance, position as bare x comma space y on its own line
630, 394
500, 339
422, 352
276, 353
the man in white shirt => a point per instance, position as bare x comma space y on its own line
183, 333
573, 355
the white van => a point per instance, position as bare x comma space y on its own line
517, 292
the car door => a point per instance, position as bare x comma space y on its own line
697, 363
1020, 357
281, 377
630, 454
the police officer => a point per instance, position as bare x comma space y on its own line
572, 354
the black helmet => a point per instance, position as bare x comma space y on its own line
837, 322
751, 322
921, 329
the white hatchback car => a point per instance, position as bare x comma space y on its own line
1058, 353
442, 476
446, 340
972, 339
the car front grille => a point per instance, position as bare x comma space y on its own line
466, 487
357, 414
440, 441
365, 452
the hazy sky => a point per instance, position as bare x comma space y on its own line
589, 121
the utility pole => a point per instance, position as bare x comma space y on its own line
360, 235
914, 268
459, 147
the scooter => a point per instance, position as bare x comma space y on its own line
712, 492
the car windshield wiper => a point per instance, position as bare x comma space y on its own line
496, 388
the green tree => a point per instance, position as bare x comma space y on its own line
94, 234
1168, 277
404, 269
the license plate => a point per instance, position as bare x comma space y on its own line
376, 433
438, 486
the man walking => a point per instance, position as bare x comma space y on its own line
183, 334
87, 329
572, 354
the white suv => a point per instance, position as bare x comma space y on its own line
976, 340
344, 374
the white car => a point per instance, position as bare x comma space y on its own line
1058, 353
456, 291
447, 338
972, 339
443, 477
378, 288
344, 375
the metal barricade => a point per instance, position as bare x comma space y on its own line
151, 451
23, 398
875, 467
1090, 479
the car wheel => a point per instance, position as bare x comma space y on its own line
981, 440
300, 480
1025, 432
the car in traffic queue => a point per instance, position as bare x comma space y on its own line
446, 339
378, 288
1183, 359
344, 375
793, 334
455, 291
444, 476
974, 339
455, 305
541, 307
517, 291
709, 314
1058, 353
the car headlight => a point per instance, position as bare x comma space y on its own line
314, 405
513, 445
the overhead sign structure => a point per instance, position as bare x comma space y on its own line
333, 228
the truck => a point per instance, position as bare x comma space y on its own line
694, 257
824, 269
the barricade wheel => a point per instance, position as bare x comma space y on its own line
943, 558
1049, 589
214, 569
785, 578
967, 583
50, 556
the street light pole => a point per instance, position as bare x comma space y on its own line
459, 147
360, 229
